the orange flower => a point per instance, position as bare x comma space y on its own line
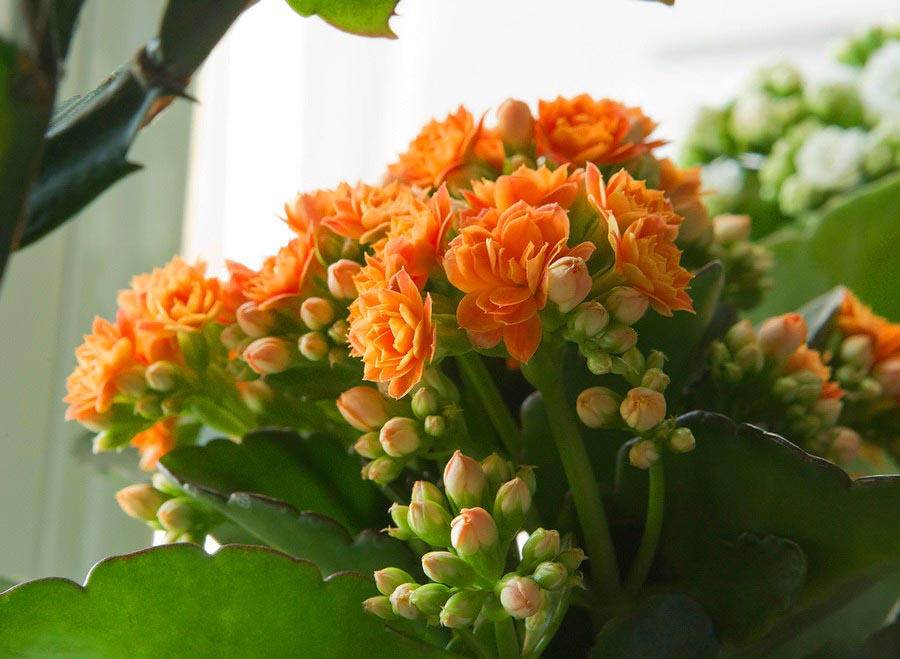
307, 212
682, 187
107, 367
536, 187
581, 130
233, 290
284, 276
364, 212
857, 318
155, 442
443, 148
806, 359
624, 200
501, 264
649, 260
391, 329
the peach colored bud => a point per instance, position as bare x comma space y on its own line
731, 228
447, 568
430, 598
379, 606
515, 124
587, 321
383, 470
887, 373
617, 338
655, 379
400, 601
473, 531
845, 445
314, 346
253, 321
399, 436
643, 454
779, 337
339, 331
435, 425
740, 334
598, 407
828, 410
425, 491
521, 597
425, 402
388, 579
363, 408
511, 506
542, 545
462, 608
234, 338
141, 501
268, 355
497, 470
161, 376
340, 279
643, 408
368, 446
464, 481
316, 312
626, 305
568, 282
179, 515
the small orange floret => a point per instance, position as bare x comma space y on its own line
857, 318
581, 130
391, 329
683, 188
155, 442
624, 200
443, 147
305, 213
364, 212
536, 187
284, 275
807, 359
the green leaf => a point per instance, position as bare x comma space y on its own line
6, 583
314, 474
821, 316
741, 480
852, 242
306, 535
663, 626
179, 601
368, 18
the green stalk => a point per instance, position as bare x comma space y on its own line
473, 643
476, 372
507, 640
652, 529
544, 371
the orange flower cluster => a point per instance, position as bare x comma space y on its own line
881, 344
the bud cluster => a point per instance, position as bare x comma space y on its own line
163, 508
472, 524
748, 265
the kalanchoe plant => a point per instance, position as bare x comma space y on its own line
496, 356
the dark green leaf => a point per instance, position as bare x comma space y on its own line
368, 18
179, 601
313, 474
821, 316
884, 644
662, 627
190, 29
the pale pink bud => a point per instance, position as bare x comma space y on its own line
643, 454
363, 408
447, 568
161, 376
515, 124
626, 305
316, 312
845, 445
268, 355
521, 597
568, 282
511, 506
462, 608
780, 337
473, 531
339, 331
617, 338
425, 491
542, 545
400, 602
340, 279
399, 436
314, 346
379, 606
588, 320
253, 321
598, 407
141, 501
388, 579
643, 408
888, 375
731, 228
368, 446
464, 481
858, 350
383, 470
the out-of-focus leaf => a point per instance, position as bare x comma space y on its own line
821, 316
368, 18
6, 583
178, 600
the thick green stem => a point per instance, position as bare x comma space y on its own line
544, 371
652, 529
473, 643
507, 641
477, 373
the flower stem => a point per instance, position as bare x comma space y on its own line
507, 641
544, 371
476, 372
473, 643
652, 529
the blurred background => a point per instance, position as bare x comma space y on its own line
289, 104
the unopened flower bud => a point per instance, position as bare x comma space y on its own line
550, 575
255, 394
626, 305
340, 279
571, 559
643, 408
731, 228
400, 601
400, 516
400, 436
363, 408
473, 531
569, 282
587, 321
268, 355
634, 360
179, 515
379, 606
598, 407
431, 522
426, 491
462, 608
858, 351
655, 379
435, 425
511, 506
253, 321
388, 579
234, 338
845, 445
430, 598
444, 567
368, 446
316, 312
425, 402
887, 373
617, 338
828, 410
339, 331
464, 481
521, 597
497, 470
161, 376
542, 545
740, 334
314, 346
643, 454
780, 337
750, 358
681, 440
599, 362
383, 470
141, 501
515, 124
